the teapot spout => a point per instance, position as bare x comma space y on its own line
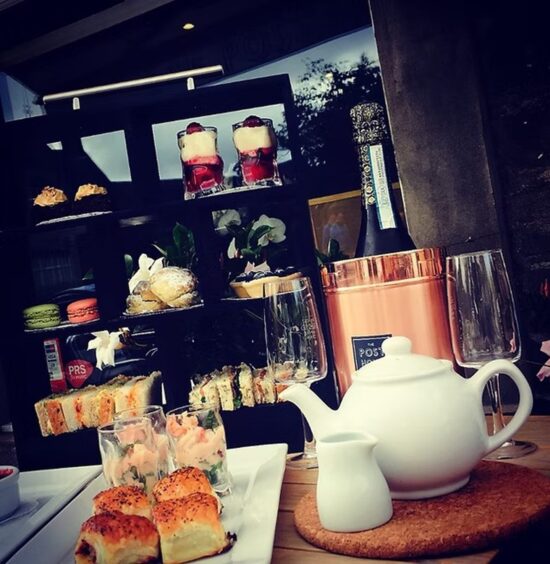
322, 420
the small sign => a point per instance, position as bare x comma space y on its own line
367, 349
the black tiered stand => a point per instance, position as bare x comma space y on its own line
151, 200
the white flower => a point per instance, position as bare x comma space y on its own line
146, 268
229, 217
232, 249
104, 344
275, 235
263, 267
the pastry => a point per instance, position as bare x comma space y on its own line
130, 500
190, 528
91, 198
83, 310
181, 483
142, 300
251, 284
51, 203
116, 538
41, 316
172, 284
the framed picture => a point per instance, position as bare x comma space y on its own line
337, 216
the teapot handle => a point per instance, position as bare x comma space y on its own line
479, 380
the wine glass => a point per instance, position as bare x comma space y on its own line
484, 326
295, 346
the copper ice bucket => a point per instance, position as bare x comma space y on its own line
371, 298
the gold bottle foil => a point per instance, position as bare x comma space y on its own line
372, 297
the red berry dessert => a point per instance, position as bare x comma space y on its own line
256, 144
202, 166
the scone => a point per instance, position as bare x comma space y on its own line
115, 538
142, 300
172, 284
181, 483
190, 528
130, 500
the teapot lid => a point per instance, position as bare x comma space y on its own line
399, 361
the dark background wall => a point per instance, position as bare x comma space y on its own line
467, 87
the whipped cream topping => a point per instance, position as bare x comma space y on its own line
253, 138
198, 144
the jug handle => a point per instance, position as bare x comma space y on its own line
479, 380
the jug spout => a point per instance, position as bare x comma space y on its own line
322, 420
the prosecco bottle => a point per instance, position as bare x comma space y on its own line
382, 231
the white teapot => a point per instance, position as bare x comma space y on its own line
429, 420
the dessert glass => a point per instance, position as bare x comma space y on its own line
202, 166
197, 438
156, 415
256, 145
129, 453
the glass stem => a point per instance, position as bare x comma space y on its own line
496, 404
309, 440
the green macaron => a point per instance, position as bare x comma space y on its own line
41, 316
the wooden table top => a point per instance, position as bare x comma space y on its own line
290, 548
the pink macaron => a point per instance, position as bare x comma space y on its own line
83, 310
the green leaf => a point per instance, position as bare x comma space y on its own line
255, 235
160, 250
248, 254
179, 235
210, 421
241, 239
333, 248
90, 275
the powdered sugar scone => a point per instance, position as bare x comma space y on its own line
175, 286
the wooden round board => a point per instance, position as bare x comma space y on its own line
500, 500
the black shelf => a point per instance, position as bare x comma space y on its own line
141, 204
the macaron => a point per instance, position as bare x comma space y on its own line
41, 316
83, 310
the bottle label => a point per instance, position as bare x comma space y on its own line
54, 361
384, 208
367, 349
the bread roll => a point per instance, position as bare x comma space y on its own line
115, 538
190, 528
130, 500
181, 483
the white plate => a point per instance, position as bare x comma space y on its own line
250, 511
53, 489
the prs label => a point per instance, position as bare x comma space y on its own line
367, 349
384, 208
